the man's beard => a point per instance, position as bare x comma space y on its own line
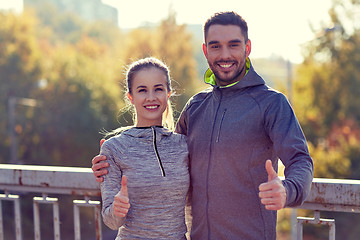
227, 80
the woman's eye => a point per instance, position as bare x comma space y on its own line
141, 90
159, 89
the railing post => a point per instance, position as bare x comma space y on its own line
1, 223
316, 220
77, 230
87, 203
17, 213
299, 230
56, 221
293, 221
37, 234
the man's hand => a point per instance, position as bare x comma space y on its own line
121, 200
98, 166
272, 193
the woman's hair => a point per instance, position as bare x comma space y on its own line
132, 69
227, 18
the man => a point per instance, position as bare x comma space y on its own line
237, 130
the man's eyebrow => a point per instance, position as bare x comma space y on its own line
213, 42
235, 41
231, 41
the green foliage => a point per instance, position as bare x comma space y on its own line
81, 95
330, 163
75, 70
327, 91
329, 80
20, 67
172, 44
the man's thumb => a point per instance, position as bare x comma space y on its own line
270, 170
124, 190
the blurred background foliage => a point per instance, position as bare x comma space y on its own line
74, 69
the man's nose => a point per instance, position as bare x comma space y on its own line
225, 53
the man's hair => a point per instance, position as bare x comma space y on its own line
227, 18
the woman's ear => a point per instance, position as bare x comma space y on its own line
130, 98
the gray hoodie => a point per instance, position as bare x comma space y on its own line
231, 132
155, 162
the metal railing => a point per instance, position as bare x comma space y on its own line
334, 195
15, 180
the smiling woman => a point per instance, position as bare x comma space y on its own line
149, 89
148, 164
149, 92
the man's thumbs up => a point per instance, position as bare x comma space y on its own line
272, 193
270, 171
121, 200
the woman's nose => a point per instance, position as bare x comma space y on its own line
151, 95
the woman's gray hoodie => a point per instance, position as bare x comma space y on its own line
155, 162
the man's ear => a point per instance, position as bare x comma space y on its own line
248, 48
205, 49
130, 98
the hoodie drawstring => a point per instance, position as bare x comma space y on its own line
157, 153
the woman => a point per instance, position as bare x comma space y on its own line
145, 191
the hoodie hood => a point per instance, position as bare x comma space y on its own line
147, 132
250, 79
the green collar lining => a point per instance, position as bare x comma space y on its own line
210, 77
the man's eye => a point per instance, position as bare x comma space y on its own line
215, 46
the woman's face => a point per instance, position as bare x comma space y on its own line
149, 96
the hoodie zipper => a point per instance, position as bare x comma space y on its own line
221, 121
156, 152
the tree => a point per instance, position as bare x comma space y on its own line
20, 69
81, 94
330, 75
327, 101
174, 46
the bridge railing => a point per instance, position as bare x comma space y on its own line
43, 181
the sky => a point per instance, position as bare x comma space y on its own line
276, 27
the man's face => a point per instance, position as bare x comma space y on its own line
226, 52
